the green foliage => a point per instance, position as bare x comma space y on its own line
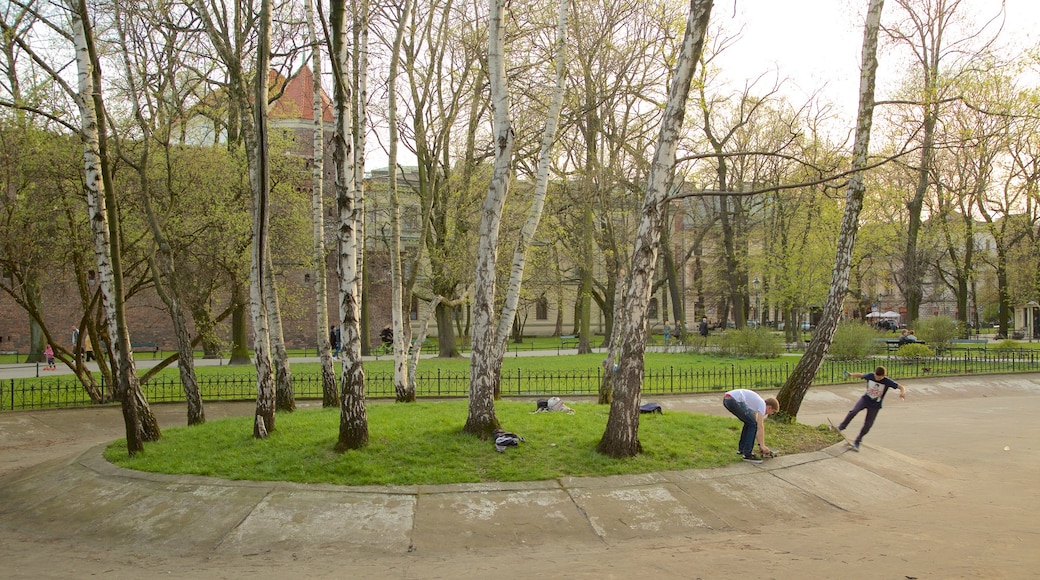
914, 351
422, 443
854, 341
1006, 346
749, 342
939, 330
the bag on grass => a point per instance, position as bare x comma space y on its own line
505, 439
651, 408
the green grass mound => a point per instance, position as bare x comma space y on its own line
422, 443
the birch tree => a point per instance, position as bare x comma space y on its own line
330, 396
794, 389
482, 420
140, 423
264, 417
404, 387
516, 274
621, 436
353, 425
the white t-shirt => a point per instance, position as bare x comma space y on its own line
749, 398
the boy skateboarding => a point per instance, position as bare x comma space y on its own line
877, 385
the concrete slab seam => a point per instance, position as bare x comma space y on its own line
584, 513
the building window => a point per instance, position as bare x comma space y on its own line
306, 278
541, 310
413, 313
653, 309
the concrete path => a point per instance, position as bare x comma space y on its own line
945, 487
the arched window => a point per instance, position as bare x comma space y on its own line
652, 310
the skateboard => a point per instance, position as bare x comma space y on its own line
840, 432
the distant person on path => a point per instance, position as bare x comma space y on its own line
49, 353
703, 328
334, 340
88, 349
667, 333
75, 341
877, 385
752, 411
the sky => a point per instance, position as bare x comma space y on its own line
814, 46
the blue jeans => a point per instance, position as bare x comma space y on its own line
872, 408
747, 417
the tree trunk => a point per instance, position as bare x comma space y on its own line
37, 341
285, 399
263, 422
329, 394
162, 263
403, 385
793, 391
621, 436
100, 196
353, 423
446, 344
239, 341
482, 420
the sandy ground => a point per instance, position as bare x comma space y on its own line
978, 519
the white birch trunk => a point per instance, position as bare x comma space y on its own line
404, 387
794, 389
126, 376
285, 400
606, 388
482, 420
330, 397
359, 119
353, 427
263, 422
420, 338
621, 437
534, 216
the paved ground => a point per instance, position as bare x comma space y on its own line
945, 487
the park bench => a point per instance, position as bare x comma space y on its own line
569, 341
892, 344
145, 347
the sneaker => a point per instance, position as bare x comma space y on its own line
855, 446
751, 458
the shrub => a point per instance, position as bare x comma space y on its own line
1006, 345
939, 330
913, 351
750, 342
854, 341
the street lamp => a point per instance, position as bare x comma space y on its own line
1031, 318
758, 301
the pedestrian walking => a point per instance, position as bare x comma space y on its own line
48, 352
877, 385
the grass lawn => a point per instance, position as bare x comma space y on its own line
422, 443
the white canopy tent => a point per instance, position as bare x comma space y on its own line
888, 314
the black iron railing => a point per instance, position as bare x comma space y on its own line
66, 391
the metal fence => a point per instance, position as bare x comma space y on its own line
66, 391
